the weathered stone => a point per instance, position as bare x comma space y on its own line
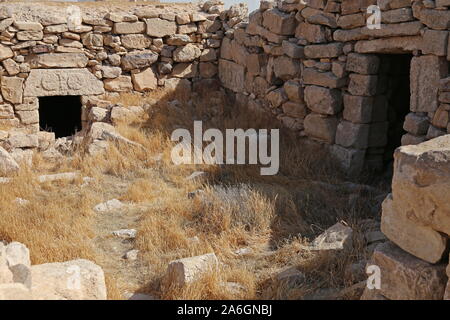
119, 84
7, 164
14, 291
349, 35
362, 63
351, 21
72, 280
58, 60
145, 80
285, 68
29, 35
231, 75
363, 85
389, 45
184, 271
323, 100
138, 60
5, 52
435, 42
294, 109
358, 109
207, 69
11, 67
395, 30
324, 79
276, 97
129, 27
321, 127
397, 15
350, 160
60, 82
187, 53
435, 19
441, 117
12, 89
294, 90
405, 277
426, 71
111, 72
337, 237
313, 33
352, 135
293, 50
410, 139
160, 28
331, 50
279, 22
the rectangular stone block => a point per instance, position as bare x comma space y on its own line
60, 82
279, 22
363, 85
405, 277
416, 124
324, 79
323, 100
362, 63
232, 75
352, 135
321, 127
426, 72
358, 109
58, 60
350, 160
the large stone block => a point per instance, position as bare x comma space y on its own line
184, 271
279, 22
362, 63
405, 277
232, 75
58, 60
72, 280
313, 33
60, 82
321, 127
363, 85
352, 135
323, 100
157, 27
421, 180
129, 27
145, 80
435, 19
330, 50
350, 160
12, 89
286, 68
138, 60
392, 45
435, 42
395, 30
416, 124
358, 109
324, 79
426, 72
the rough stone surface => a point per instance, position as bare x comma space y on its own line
183, 271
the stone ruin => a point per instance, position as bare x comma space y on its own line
314, 65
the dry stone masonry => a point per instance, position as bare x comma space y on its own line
321, 71
96, 53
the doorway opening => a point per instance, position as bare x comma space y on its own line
60, 114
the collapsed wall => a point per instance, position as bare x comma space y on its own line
98, 51
318, 68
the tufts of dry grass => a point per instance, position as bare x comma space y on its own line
274, 217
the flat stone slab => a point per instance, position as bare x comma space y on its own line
62, 82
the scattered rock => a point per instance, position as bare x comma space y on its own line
110, 205
131, 255
125, 233
187, 270
337, 237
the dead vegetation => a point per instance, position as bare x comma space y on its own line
272, 218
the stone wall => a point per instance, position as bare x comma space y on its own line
318, 69
97, 52
416, 219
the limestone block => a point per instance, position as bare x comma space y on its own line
187, 53
12, 89
410, 139
184, 271
435, 19
138, 60
362, 63
352, 135
29, 35
397, 15
58, 60
294, 90
390, 45
185, 70
313, 33
435, 42
405, 277
330, 50
159, 28
231, 75
415, 124
294, 109
286, 68
279, 22
426, 72
72, 280
358, 109
395, 30
60, 82
129, 27
119, 84
5, 52
145, 80
350, 160
324, 79
321, 127
7, 166
323, 100
135, 41
362, 85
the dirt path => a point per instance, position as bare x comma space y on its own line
129, 275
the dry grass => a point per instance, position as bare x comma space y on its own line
274, 217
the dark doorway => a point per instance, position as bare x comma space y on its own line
394, 74
60, 114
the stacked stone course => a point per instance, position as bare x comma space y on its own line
320, 70
48, 50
